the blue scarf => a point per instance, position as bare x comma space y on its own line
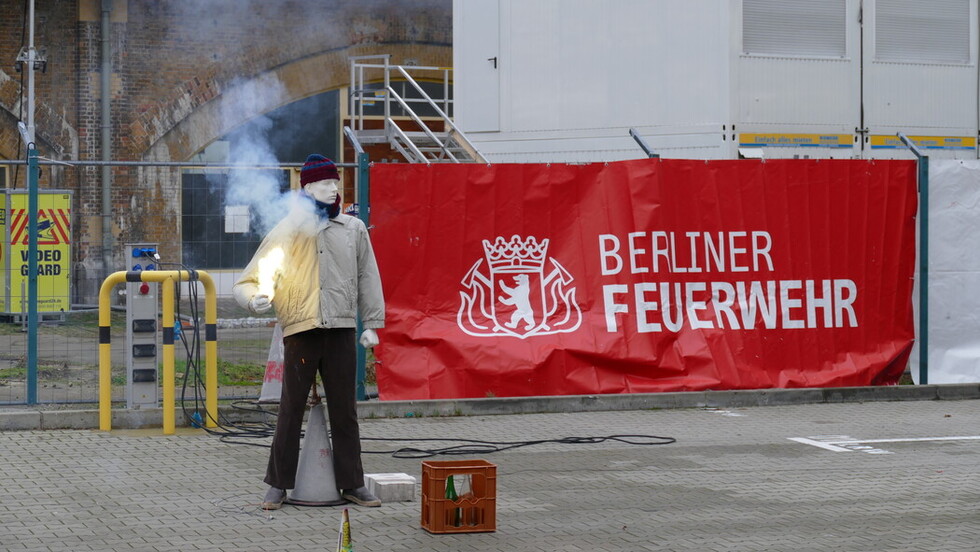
326, 209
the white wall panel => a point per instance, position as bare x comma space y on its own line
831, 72
798, 72
799, 92
954, 274
607, 144
589, 66
920, 75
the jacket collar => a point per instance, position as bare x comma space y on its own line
341, 219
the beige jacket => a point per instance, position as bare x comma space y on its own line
329, 274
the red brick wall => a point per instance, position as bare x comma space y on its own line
173, 65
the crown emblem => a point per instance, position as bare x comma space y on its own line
516, 254
521, 292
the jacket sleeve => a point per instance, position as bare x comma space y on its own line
370, 298
248, 283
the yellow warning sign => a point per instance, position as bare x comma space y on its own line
785, 140
53, 251
879, 141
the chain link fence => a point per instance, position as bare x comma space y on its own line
218, 230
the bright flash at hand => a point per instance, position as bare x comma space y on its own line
270, 267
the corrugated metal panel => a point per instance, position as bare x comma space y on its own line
794, 27
913, 30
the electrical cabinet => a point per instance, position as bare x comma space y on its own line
142, 330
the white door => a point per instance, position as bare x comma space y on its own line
476, 62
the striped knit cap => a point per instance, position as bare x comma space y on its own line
317, 168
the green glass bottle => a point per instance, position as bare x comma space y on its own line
457, 513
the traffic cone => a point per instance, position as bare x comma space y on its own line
272, 382
316, 484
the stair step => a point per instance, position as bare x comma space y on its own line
438, 150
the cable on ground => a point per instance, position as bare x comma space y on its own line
244, 433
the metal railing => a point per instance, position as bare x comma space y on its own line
922, 168
169, 279
423, 146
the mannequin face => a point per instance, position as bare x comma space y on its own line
324, 191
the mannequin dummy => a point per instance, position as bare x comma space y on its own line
325, 192
327, 279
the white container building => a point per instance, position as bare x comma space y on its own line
565, 80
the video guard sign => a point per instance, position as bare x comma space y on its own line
53, 251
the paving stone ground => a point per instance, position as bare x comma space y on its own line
733, 481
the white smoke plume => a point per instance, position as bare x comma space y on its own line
259, 189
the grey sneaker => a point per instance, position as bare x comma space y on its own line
361, 496
273, 499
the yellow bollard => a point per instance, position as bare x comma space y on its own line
169, 278
105, 350
210, 350
169, 421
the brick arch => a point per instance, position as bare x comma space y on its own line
223, 107
190, 122
176, 68
9, 135
55, 136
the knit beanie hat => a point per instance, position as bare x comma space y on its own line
317, 168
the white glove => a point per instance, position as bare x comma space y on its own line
259, 303
369, 338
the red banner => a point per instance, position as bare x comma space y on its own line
643, 276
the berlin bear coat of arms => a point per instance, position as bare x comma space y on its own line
517, 290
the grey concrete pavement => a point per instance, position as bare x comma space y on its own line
896, 475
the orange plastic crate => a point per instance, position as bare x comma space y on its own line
476, 512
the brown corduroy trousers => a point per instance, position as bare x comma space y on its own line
332, 353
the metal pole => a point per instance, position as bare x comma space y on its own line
107, 238
922, 161
353, 91
364, 213
643, 144
445, 92
31, 57
32, 175
387, 101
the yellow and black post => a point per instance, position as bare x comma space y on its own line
169, 278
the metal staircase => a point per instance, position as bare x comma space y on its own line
414, 124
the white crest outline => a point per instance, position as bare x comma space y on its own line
477, 315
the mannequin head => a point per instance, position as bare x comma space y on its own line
320, 180
324, 191
317, 168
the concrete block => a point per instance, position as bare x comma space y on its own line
20, 420
69, 419
391, 487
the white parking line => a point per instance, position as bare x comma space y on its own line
820, 444
911, 440
844, 443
